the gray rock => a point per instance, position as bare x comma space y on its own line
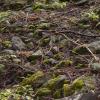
55, 82
2, 67
95, 66
8, 51
16, 60
36, 55
95, 46
17, 43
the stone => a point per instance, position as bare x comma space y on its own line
36, 55
55, 82
16, 60
2, 67
80, 2
95, 66
43, 92
8, 51
17, 43
94, 46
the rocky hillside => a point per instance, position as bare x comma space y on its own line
49, 49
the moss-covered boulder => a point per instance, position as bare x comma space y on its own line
55, 82
77, 84
95, 67
43, 92
33, 79
63, 63
67, 90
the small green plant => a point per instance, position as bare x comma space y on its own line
92, 16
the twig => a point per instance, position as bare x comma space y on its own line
84, 45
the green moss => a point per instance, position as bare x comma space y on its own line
67, 90
92, 16
77, 84
32, 79
80, 66
7, 44
58, 56
49, 61
2, 67
44, 26
44, 41
55, 82
38, 6
43, 92
64, 63
23, 89
4, 15
51, 5
80, 50
4, 95
57, 94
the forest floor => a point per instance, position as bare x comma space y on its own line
54, 51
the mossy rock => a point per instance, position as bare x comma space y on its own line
33, 79
7, 44
80, 50
77, 84
4, 15
44, 25
95, 67
36, 55
67, 90
21, 90
50, 61
43, 92
63, 63
5, 94
49, 5
44, 42
55, 82
79, 66
2, 67
57, 94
